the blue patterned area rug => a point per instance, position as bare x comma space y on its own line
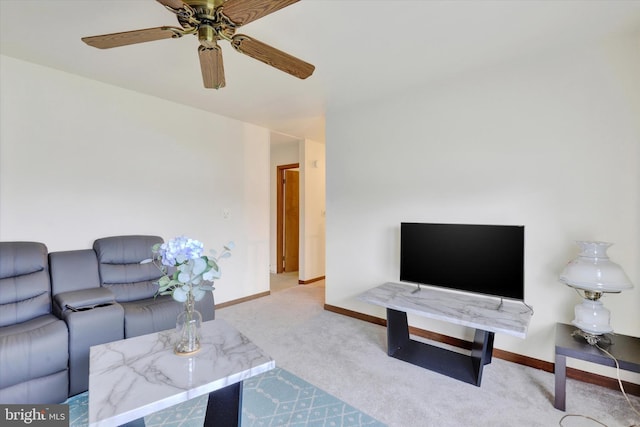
275, 398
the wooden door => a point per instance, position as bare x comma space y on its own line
291, 221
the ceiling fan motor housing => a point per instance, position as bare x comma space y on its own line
207, 36
204, 6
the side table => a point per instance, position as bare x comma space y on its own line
624, 348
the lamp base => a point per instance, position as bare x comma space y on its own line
592, 317
591, 338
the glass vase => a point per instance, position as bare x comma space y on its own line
188, 329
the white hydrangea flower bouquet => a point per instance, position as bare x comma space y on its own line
194, 272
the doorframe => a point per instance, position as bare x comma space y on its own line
279, 213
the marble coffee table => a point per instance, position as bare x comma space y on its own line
135, 377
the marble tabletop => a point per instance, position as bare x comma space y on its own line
135, 377
480, 312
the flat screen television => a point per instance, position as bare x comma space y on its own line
484, 259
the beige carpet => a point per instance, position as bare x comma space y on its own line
347, 358
282, 281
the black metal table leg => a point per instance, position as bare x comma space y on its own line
397, 330
463, 367
481, 352
135, 423
224, 408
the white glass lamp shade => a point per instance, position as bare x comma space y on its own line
593, 271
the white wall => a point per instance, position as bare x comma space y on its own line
81, 160
312, 210
551, 142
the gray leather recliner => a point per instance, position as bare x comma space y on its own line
33, 342
133, 286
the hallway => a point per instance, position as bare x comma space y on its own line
279, 282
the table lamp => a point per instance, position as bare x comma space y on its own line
594, 274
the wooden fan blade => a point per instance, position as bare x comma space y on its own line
272, 56
107, 41
173, 4
241, 12
211, 67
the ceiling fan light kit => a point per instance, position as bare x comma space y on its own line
211, 21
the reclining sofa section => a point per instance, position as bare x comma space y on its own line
99, 295
33, 342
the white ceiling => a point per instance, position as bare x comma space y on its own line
362, 49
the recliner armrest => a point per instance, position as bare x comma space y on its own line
82, 300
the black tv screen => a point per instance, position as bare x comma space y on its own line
485, 259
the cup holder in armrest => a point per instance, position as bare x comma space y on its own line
87, 307
82, 300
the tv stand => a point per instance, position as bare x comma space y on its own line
465, 309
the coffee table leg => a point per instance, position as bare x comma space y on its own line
224, 407
560, 374
135, 423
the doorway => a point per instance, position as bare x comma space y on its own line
288, 218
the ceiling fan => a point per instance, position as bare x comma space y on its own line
214, 20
